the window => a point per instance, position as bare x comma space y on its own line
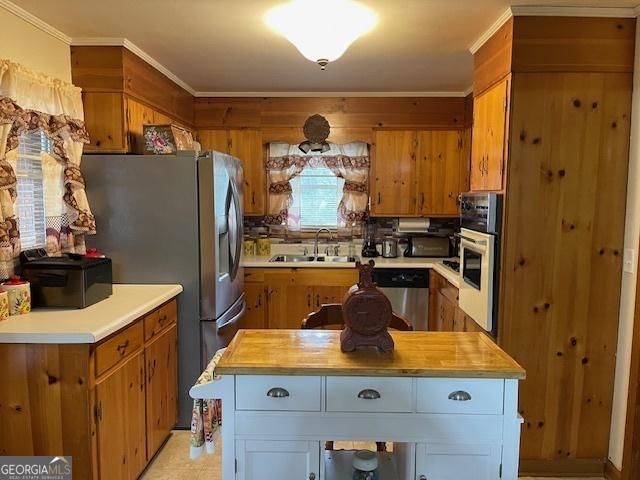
30, 202
316, 196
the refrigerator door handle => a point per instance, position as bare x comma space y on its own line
235, 318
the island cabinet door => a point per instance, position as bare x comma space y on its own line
277, 460
457, 461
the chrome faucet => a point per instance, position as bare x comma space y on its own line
315, 245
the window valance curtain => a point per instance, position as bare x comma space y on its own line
29, 102
349, 161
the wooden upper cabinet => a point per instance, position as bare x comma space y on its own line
488, 150
248, 147
393, 175
440, 168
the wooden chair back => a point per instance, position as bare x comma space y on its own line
330, 315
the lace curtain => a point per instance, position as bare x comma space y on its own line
29, 102
349, 161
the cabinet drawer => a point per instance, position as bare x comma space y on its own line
369, 394
118, 347
273, 392
464, 395
159, 319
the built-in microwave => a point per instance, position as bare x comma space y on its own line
480, 220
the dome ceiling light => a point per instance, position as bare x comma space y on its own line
321, 30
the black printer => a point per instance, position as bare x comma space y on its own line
69, 281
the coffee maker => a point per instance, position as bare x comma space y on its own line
369, 249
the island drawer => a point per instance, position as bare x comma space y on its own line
369, 394
274, 392
460, 395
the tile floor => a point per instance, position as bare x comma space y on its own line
172, 462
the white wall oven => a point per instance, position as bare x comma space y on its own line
480, 219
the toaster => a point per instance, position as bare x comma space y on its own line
428, 246
69, 281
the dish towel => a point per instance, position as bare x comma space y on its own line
206, 416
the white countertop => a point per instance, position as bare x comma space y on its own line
87, 325
255, 261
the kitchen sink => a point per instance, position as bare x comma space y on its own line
340, 259
291, 258
304, 258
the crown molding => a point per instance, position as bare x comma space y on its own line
605, 12
35, 21
495, 26
438, 94
133, 48
533, 11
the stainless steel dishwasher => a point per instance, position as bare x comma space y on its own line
408, 290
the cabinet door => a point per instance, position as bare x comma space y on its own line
105, 120
120, 403
393, 186
489, 133
247, 146
459, 320
162, 381
445, 311
256, 314
453, 462
328, 294
277, 460
289, 304
439, 166
214, 140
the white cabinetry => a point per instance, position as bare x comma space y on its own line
442, 428
277, 460
457, 462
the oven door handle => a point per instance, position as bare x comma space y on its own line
472, 240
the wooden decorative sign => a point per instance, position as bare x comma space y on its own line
367, 313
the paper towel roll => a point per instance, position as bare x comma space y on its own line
413, 225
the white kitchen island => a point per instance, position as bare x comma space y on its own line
448, 401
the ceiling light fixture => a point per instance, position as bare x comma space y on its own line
321, 30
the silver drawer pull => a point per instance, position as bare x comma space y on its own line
312, 476
460, 396
369, 394
422, 477
277, 392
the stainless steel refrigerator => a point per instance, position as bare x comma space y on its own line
176, 219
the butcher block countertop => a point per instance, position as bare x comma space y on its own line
416, 354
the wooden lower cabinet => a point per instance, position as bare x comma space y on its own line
444, 313
120, 399
256, 314
161, 361
283, 297
288, 304
277, 460
109, 405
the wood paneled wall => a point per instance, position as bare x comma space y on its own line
351, 118
345, 112
564, 224
555, 44
565, 185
